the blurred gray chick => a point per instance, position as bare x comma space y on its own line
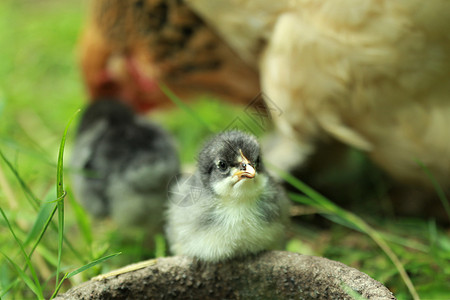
230, 206
123, 165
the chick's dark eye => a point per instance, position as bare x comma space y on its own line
222, 166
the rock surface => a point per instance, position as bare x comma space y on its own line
270, 275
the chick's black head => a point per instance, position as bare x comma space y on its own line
232, 153
115, 112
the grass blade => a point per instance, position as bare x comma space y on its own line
160, 245
28, 281
44, 228
34, 202
41, 221
60, 193
27, 258
183, 106
302, 199
58, 286
48, 222
352, 293
60, 208
437, 188
81, 269
91, 264
82, 219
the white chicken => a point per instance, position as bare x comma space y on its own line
373, 74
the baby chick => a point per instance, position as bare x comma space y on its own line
235, 207
123, 165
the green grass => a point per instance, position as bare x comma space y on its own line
48, 242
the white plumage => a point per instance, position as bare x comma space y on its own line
372, 74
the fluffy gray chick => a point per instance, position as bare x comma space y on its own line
122, 165
230, 206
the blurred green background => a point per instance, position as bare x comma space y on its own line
41, 89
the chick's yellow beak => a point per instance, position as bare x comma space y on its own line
246, 170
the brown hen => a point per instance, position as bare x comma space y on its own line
129, 48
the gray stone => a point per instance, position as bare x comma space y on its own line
270, 275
